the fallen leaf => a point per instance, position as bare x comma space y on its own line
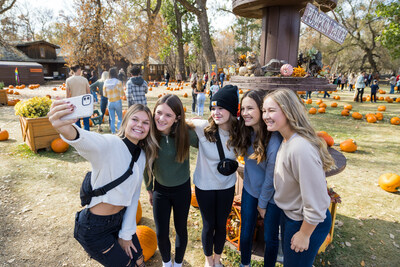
347, 244
391, 236
362, 263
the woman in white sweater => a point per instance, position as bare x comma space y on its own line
106, 228
299, 178
215, 191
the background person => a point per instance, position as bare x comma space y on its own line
136, 87
113, 90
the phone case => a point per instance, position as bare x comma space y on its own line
83, 107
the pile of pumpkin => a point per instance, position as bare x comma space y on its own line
348, 145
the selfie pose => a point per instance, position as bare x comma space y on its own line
106, 227
258, 146
215, 175
169, 187
299, 178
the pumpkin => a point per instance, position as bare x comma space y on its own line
193, 200
345, 112
348, 145
381, 108
371, 118
59, 146
309, 101
184, 109
4, 135
321, 110
319, 101
138, 212
357, 115
151, 89
389, 182
160, 95
11, 86
368, 98
148, 240
240, 91
11, 102
123, 97
185, 95
336, 97
312, 111
124, 112
379, 116
287, 70
48, 96
382, 92
328, 139
322, 105
364, 98
390, 100
106, 113
348, 107
395, 120
334, 105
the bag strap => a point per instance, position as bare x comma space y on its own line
104, 189
219, 146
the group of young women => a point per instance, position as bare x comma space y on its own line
284, 177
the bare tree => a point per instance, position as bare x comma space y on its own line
6, 5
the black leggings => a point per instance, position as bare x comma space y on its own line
360, 92
215, 206
177, 198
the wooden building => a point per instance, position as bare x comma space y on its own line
45, 53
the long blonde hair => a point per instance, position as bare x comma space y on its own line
104, 76
296, 114
149, 144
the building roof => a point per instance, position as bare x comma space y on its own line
10, 53
18, 63
20, 44
133, 57
59, 60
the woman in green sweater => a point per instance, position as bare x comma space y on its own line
169, 188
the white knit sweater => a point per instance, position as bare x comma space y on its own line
110, 158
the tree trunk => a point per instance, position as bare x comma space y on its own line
179, 38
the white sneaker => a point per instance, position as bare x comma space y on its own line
167, 264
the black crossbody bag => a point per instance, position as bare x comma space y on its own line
225, 166
86, 193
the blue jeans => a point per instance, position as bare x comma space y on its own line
115, 107
98, 235
94, 95
166, 82
86, 124
103, 104
308, 95
392, 86
305, 258
326, 94
201, 98
272, 219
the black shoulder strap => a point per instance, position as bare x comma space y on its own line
219, 146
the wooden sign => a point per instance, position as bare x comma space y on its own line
324, 24
35, 70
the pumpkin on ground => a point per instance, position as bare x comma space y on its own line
321, 110
389, 182
312, 111
395, 120
379, 116
185, 95
148, 241
382, 108
319, 101
357, 115
59, 146
328, 139
193, 200
380, 98
322, 105
398, 100
348, 145
371, 118
348, 107
138, 212
334, 105
345, 112
4, 135
309, 101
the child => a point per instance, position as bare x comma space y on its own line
299, 178
374, 88
106, 228
171, 178
215, 191
201, 97
258, 146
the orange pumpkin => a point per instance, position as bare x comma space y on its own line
379, 116
319, 101
322, 105
138, 212
328, 139
395, 120
4, 135
389, 182
59, 146
124, 112
151, 89
357, 115
184, 109
11, 86
48, 96
309, 101
371, 118
185, 95
106, 113
193, 200
380, 98
348, 107
321, 110
348, 145
160, 95
398, 100
389, 100
11, 102
334, 105
312, 111
240, 91
345, 112
382, 108
148, 240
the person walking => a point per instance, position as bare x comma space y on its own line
201, 97
106, 227
77, 85
166, 77
97, 88
299, 178
258, 147
193, 85
136, 87
113, 90
215, 186
374, 89
222, 78
360, 85
169, 186
392, 83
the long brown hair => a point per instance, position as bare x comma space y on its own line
211, 129
296, 114
242, 140
148, 144
179, 130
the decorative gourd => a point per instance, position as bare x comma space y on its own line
382, 108
286, 70
357, 115
328, 139
148, 240
193, 200
321, 110
334, 105
348, 107
348, 145
371, 118
345, 112
389, 182
59, 146
395, 120
312, 111
4, 135
138, 212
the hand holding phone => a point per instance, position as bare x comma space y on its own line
83, 107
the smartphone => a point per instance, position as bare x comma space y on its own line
83, 107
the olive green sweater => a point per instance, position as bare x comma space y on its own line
167, 171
